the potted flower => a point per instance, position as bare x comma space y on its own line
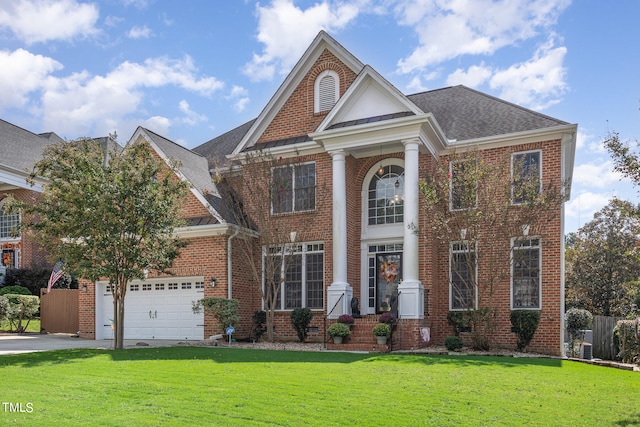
338, 331
386, 317
382, 332
346, 319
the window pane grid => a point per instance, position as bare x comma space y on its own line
8, 223
462, 271
293, 188
386, 196
526, 274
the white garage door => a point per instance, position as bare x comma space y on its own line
154, 309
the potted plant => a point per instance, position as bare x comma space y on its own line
382, 332
346, 319
387, 318
338, 331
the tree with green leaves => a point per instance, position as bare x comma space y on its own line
489, 215
107, 214
603, 265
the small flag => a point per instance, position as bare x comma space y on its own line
55, 275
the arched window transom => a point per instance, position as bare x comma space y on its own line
386, 196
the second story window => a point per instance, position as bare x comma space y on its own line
293, 188
526, 174
463, 185
386, 196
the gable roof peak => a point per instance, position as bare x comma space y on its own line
323, 41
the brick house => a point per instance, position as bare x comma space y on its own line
20, 149
358, 141
353, 149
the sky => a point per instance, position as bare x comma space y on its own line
191, 70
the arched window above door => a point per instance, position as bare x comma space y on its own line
386, 196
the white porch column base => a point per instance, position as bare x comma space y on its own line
334, 292
411, 300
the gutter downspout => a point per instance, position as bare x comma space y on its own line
230, 264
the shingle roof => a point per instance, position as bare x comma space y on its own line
195, 168
216, 149
20, 148
463, 114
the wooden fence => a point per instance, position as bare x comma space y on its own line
59, 311
603, 337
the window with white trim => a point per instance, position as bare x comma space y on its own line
386, 196
304, 276
326, 91
526, 176
9, 222
293, 188
463, 185
462, 275
526, 273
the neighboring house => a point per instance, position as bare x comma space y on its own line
20, 150
368, 143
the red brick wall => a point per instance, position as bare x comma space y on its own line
296, 117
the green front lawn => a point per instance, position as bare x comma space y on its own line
34, 326
195, 386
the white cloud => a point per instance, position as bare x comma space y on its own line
22, 73
580, 209
473, 77
594, 175
43, 20
286, 30
143, 32
447, 30
240, 96
81, 103
537, 83
158, 124
191, 117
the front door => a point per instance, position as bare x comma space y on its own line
385, 274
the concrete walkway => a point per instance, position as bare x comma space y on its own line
31, 342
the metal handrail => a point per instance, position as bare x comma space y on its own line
324, 334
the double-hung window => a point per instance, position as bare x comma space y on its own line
526, 174
525, 273
462, 270
463, 184
303, 273
9, 222
293, 188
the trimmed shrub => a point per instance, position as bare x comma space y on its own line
259, 324
525, 322
459, 322
301, 318
22, 308
225, 310
36, 278
626, 338
4, 307
577, 320
453, 343
15, 289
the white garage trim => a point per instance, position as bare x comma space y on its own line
154, 309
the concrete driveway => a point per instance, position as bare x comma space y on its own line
31, 342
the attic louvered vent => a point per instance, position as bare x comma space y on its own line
326, 91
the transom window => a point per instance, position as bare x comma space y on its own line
293, 188
462, 270
303, 279
386, 196
526, 174
525, 273
9, 222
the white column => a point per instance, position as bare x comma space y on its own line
339, 287
411, 298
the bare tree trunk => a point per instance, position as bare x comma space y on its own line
120, 324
